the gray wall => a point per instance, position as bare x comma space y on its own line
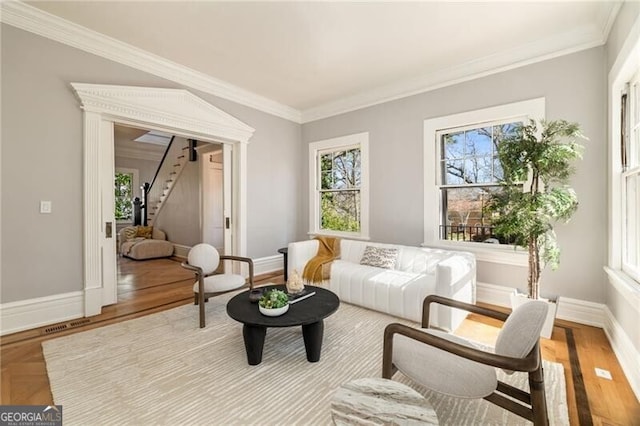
180, 216
627, 15
574, 87
42, 160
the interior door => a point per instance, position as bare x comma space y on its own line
213, 201
226, 202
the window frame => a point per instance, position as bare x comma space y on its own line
517, 111
633, 169
135, 190
360, 140
623, 70
442, 186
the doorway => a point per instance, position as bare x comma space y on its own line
173, 111
193, 211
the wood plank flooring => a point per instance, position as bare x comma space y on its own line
155, 285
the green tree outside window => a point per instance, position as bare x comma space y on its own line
340, 181
124, 196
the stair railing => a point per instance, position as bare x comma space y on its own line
146, 188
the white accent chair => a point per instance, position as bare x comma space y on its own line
204, 259
454, 366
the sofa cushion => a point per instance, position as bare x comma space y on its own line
149, 249
420, 260
144, 231
129, 233
379, 257
395, 292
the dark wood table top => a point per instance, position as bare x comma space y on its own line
307, 311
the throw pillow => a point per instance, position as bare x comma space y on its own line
379, 257
144, 231
130, 233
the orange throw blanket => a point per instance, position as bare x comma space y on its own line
328, 249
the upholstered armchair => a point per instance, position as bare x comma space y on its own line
454, 366
144, 242
204, 259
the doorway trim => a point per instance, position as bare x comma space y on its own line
175, 111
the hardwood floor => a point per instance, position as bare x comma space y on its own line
155, 285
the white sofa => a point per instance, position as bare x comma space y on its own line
418, 272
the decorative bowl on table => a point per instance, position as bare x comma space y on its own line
274, 312
255, 295
273, 303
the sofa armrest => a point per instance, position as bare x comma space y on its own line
299, 253
158, 234
456, 273
455, 279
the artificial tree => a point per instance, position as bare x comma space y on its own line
541, 154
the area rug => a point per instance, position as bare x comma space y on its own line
163, 369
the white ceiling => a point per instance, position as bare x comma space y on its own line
318, 57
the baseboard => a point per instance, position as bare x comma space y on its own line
575, 310
493, 294
628, 356
41, 311
581, 311
265, 265
181, 251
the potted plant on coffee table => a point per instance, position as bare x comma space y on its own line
540, 154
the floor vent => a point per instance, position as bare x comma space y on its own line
62, 327
55, 329
79, 322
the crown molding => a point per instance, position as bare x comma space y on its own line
608, 18
538, 51
34, 20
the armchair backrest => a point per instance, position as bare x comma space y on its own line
521, 330
205, 257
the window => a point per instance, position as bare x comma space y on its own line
630, 179
338, 178
126, 189
461, 167
469, 172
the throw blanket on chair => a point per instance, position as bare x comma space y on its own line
328, 249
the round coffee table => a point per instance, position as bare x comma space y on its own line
308, 313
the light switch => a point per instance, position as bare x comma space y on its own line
45, 206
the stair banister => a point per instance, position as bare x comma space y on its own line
147, 187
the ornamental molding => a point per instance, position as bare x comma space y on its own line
177, 111
29, 18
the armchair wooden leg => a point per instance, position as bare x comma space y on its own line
538, 397
201, 306
195, 298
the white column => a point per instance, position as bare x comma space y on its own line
92, 215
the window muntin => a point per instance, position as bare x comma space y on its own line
469, 171
339, 186
630, 181
340, 182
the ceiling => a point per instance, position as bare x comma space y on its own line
318, 57
126, 146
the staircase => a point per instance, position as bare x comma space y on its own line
169, 172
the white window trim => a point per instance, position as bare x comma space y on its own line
623, 70
135, 182
361, 139
508, 255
